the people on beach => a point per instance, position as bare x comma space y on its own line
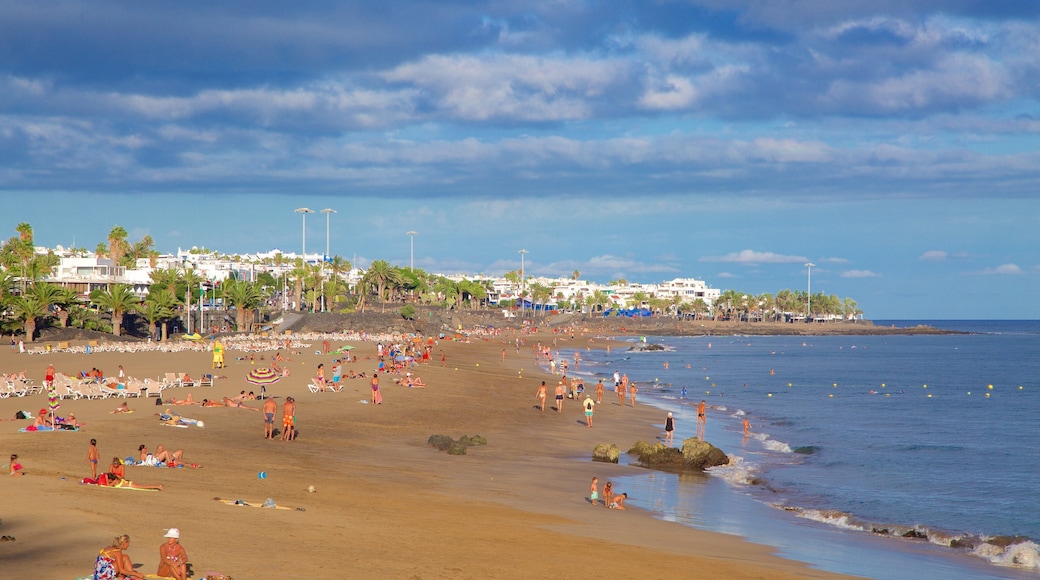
122, 408
164, 455
48, 376
113, 480
608, 494
15, 468
589, 405
229, 402
669, 429
43, 419
218, 355
269, 409
92, 458
620, 392
594, 491
541, 394
747, 427
702, 419
377, 398
189, 400
173, 559
289, 419
116, 468
113, 563
599, 392
559, 397
320, 378
632, 390
619, 501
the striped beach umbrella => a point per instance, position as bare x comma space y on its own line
52, 400
263, 376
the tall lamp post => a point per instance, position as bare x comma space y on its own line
523, 281
411, 260
808, 292
304, 211
327, 213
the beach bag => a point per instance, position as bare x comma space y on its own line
158, 402
20, 415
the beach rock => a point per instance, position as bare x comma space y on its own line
647, 348
694, 455
441, 442
458, 448
606, 452
474, 440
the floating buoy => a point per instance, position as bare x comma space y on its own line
770, 395
262, 475
990, 387
831, 395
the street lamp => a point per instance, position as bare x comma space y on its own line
411, 260
808, 292
327, 213
522, 280
304, 211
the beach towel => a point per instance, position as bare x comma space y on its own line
35, 429
267, 504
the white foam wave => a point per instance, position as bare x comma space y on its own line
738, 472
1025, 555
831, 517
739, 413
774, 445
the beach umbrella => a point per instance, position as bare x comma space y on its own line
53, 404
263, 376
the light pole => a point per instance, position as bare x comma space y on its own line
523, 282
304, 211
327, 213
808, 292
411, 259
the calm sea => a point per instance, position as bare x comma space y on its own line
878, 456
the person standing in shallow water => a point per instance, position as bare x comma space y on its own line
702, 419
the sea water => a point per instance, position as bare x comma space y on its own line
880, 456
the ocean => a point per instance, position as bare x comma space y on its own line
878, 456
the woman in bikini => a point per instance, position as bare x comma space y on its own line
112, 563
116, 481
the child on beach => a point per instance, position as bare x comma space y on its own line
16, 468
608, 494
594, 491
619, 501
92, 458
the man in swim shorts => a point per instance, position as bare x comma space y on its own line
289, 419
559, 397
269, 409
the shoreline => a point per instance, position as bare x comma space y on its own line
386, 504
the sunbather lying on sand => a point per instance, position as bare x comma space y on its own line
116, 481
239, 404
185, 401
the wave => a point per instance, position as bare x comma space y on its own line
737, 472
1011, 552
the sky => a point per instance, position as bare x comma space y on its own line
895, 144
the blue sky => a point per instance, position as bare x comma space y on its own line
894, 144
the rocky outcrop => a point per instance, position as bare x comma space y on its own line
694, 455
606, 452
453, 447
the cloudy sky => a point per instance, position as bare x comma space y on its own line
893, 143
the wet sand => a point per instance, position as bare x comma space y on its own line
385, 504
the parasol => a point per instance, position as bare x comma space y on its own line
263, 376
53, 404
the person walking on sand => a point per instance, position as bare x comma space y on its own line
48, 376
559, 397
599, 392
620, 392
377, 398
589, 405
594, 491
173, 559
632, 390
542, 392
702, 420
289, 419
269, 409
669, 429
92, 458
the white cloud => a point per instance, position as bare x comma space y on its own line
753, 257
934, 256
859, 274
1003, 269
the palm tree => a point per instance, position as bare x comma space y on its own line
245, 296
448, 290
117, 245
382, 274
28, 308
575, 275
118, 300
299, 274
163, 303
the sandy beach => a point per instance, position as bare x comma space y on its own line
385, 503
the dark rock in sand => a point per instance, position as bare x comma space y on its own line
458, 448
474, 440
606, 452
694, 455
441, 442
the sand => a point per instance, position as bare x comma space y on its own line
385, 503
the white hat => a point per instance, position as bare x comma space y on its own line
173, 533
669, 414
